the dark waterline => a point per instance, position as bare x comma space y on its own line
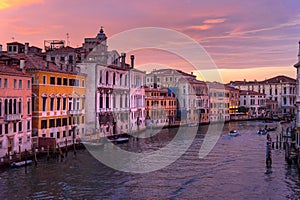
234, 169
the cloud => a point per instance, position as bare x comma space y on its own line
24, 30
7, 4
200, 27
214, 21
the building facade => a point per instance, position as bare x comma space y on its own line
160, 107
219, 102
15, 107
280, 88
255, 102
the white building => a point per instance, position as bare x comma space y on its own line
115, 93
255, 103
280, 88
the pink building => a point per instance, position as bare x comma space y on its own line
15, 108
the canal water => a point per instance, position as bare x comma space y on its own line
234, 169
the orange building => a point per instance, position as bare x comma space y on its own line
160, 107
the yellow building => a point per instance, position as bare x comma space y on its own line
58, 102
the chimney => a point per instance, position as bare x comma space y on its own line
123, 55
47, 64
155, 81
26, 47
132, 61
192, 73
22, 63
0, 47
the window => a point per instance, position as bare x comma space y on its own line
64, 103
71, 59
15, 127
64, 121
52, 80
58, 104
58, 122
0, 109
44, 80
28, 139
28, 84
20, 140
5, 83
65, 81
82, 119
1, 131
20, 84
76, 82
275, 91
28, 108
44, 103
100, 76
82, 103
82, 83
6, 128
106, 78
44, 124
51, 104
62, 58
58, 81
20, 107
15, 84
58, 134
114, 78
28, 125
52, 58
20, 126
64, 133
71, 82
0, 82
52, 125
284, 90
51, 135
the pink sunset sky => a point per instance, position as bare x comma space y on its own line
246, 39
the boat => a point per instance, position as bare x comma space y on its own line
233, 133
117, 139
192, 125
262, 132
272, 129
20, 163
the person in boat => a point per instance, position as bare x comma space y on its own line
268, 150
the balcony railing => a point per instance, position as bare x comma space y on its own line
75, 112
12, 117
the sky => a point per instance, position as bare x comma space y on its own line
245, 39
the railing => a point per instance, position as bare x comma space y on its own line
75, 112
12, 117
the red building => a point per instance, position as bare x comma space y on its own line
15, 107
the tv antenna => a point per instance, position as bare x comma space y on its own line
68, 42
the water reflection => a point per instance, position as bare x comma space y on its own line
234, 169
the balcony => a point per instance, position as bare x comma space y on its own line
75, 112
12, 117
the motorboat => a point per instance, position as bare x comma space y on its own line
233, 133
20, 163
272, 128
262, 132
117, 139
